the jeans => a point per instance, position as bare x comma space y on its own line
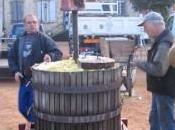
162, 114
25, 102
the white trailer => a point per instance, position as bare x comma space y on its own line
108, 26
103, 20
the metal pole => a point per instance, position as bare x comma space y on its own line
75, 35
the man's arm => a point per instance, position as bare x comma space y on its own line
160, 63
52, 49
13, 58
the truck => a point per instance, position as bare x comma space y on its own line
100, 19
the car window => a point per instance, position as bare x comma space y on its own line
18, 30
106, 7
115, 7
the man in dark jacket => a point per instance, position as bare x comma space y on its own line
160, 75
33, 47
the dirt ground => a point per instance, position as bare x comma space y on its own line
135, 108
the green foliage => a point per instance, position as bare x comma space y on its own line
161, 6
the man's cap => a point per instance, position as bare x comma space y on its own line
151, 16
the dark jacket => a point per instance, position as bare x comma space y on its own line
160, 76
44, 45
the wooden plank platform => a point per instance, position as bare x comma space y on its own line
4, 70
4, 63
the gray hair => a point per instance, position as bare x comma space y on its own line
157, 22
30, 15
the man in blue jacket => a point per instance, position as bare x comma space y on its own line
33, 47
160, 75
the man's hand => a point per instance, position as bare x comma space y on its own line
140, 55
18, 76
47, 58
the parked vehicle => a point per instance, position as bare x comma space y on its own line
18, 30
103, 20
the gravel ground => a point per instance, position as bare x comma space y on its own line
135, 108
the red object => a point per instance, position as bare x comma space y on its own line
72, 4
22, 126
125, 121
67, 5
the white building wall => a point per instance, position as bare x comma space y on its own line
129, 10
30, 6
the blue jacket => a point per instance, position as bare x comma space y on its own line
44, 45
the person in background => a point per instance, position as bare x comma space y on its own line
160, 75
30, 48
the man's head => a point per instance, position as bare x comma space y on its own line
31, 23
153, 24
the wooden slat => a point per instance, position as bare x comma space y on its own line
67, 97
73, 96
84, 99
105, 107
96, 101
62, 96
90, 99
79, 97
84, 96
57, 96
46, 102
51, 100
78, 104
62, 127
104, 47
90, 96
95, 95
